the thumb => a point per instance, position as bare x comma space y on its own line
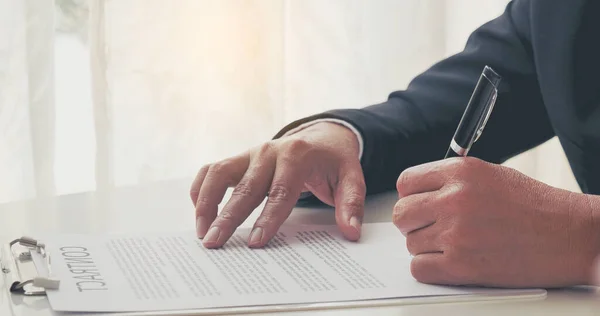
349, 198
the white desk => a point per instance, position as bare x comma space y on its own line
167, 207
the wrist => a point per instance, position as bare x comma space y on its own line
336, 124
330, 131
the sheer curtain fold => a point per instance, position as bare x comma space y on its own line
39, 20
96, 93
103, 131
27, 113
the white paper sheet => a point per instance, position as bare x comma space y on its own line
303, 264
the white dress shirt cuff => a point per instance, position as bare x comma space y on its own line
340, 122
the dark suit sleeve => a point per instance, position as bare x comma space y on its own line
416, 125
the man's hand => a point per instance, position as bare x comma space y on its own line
322, 159
468, 222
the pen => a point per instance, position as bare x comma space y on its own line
476, 114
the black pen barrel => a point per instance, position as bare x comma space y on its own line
477, 110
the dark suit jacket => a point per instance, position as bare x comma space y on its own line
548, 53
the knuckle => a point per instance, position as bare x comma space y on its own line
202, 203
399, 211
404, 179
456, 165
295, 150
279, 193
411, 245
224, 171
289, 158
204, 207
457, 196
194, 194
419, 271
452, 239
297, 145
204, 169
266, 148
447, 238
220, 168
244, 189
354, 202
465, 167
195, 189
459, 241
226, 216
470, 161
316, 180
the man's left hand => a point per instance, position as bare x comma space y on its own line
469, 222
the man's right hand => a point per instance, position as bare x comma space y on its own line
322, 158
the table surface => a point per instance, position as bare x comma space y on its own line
166, 206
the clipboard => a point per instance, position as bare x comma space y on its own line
25, 250
17, 253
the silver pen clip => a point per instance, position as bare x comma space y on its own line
493, 81
487, 116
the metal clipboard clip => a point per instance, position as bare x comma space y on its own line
15, 255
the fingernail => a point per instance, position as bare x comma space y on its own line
201, 226
256, 236
355, 222
213, 235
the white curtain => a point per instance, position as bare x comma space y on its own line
102, 93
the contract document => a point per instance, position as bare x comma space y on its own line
173, 271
